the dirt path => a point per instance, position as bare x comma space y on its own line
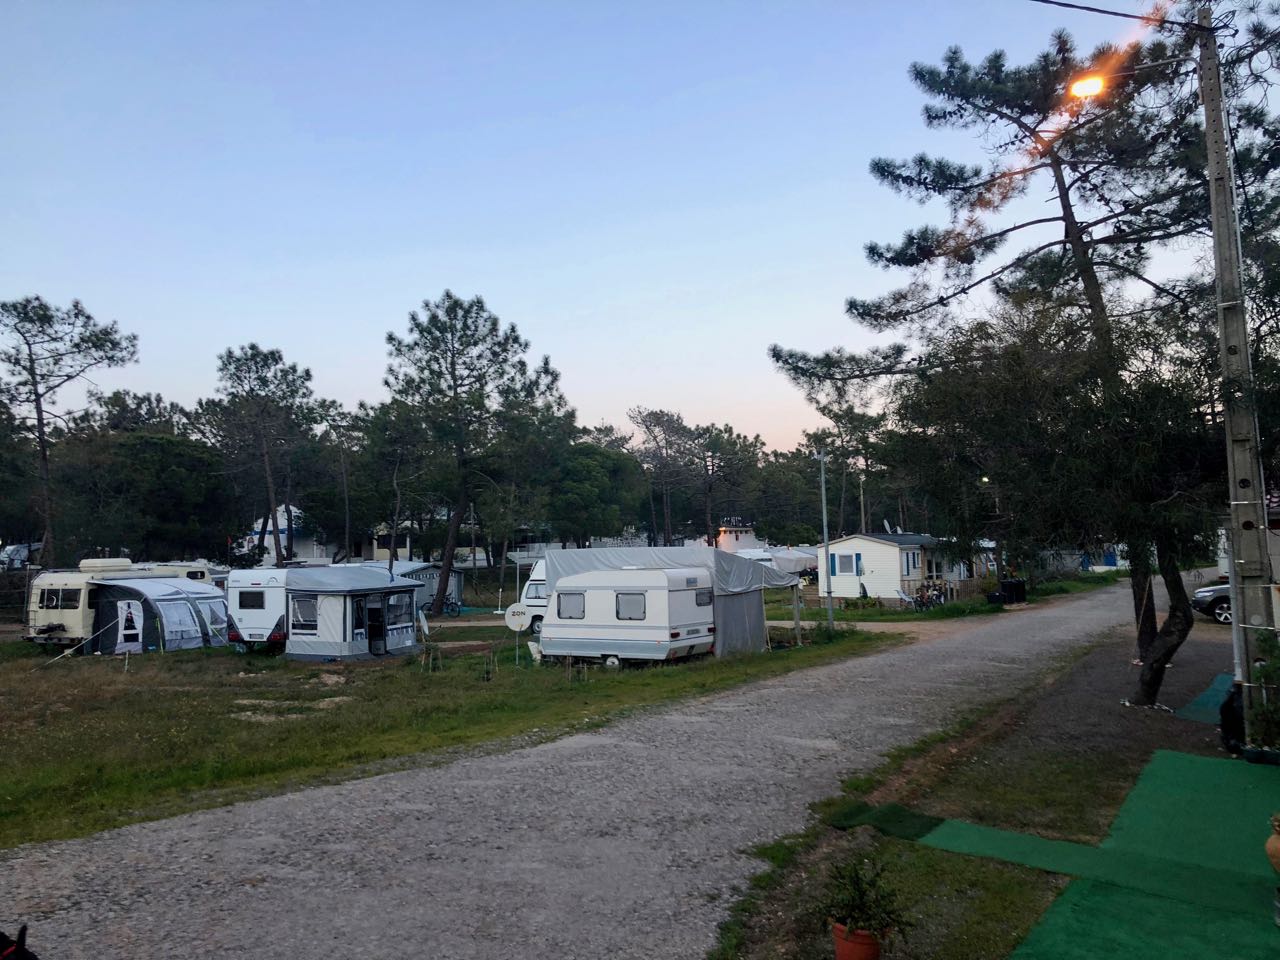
620, 843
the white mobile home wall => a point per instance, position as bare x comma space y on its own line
881, 565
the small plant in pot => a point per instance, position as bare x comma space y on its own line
863, 910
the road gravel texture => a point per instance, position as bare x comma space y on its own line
626, 842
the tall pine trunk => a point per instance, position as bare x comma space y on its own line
446, 555
271, 503
46, 488
1172, 633
1144, 604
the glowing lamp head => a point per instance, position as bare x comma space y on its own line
1087, 87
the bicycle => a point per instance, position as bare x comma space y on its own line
451, 608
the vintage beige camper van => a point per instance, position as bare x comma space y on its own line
60, 609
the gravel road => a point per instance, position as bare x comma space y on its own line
621, 843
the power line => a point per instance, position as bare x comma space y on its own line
1150, 18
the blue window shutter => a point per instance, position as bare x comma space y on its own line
857, 563
832, 564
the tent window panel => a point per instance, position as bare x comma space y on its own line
357, 615
215, 611
846, 563
703, 598
179, 620
571, 606
630, 606
302, 616
253, 600
399, 609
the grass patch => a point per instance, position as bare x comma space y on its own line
1077, 583
780, 608
86, 746
1054, 794
947, 611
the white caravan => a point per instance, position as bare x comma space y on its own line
534, 596
632, 614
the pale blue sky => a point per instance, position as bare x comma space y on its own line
652, 192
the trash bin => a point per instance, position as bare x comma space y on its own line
997, 598
1015, 591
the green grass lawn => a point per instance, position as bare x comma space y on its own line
778, 602
85, 746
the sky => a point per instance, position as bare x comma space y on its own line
653, 193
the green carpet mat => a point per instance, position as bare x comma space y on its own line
1204, 708
895, 820
1182, 873
1096, 921
1224, 890
1201, 810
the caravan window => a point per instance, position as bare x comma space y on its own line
571, 606
536, 590
846, 562
630, 606
703, 598
59, 599
303, 615
195, 574
399, 609
253, 600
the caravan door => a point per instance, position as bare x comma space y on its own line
128, 626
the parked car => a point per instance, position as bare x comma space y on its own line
1214, 602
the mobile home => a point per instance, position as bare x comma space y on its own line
427, 574
636, 614
345, 612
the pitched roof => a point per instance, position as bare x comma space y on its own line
901, 539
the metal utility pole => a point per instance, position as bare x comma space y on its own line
1247, 529
826, 537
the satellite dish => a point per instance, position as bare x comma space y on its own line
887, 528
899, 530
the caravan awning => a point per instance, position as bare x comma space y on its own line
346, 578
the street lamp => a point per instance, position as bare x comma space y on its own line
1087, 87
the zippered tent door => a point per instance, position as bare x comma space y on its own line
128, 626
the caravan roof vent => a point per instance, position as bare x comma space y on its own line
98, 565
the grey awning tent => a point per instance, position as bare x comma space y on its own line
157, 613
739, 584
348, 612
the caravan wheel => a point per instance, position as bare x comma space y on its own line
613, 661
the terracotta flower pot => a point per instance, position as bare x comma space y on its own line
854, 944
1273, 843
